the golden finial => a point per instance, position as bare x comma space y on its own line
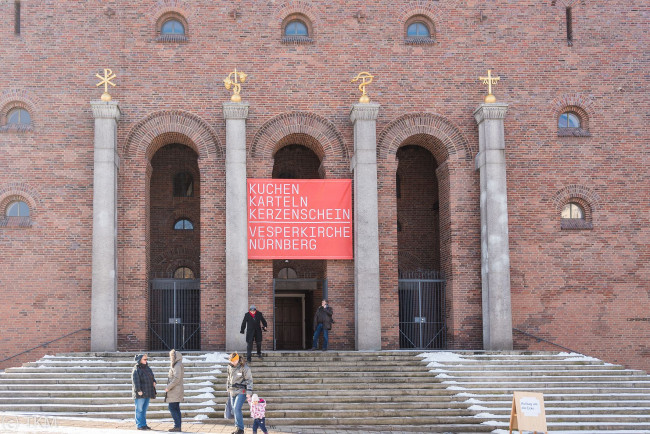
106, 80
489, 80
232, 82
366, 79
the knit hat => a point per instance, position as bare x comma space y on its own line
138, 358
255, 398
252, 307
234, 358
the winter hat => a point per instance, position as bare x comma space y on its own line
234, 358
138, 358
255, 398
252, 307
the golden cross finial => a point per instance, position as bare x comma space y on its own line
366, 79
489, 80
106, 80
232, 82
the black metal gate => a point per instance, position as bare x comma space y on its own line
175, 314
422, 318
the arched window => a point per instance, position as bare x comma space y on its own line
573, 211
418, 29
183, 185
172, 27
17, 209
568, 120
18, 116
296, 28
183, 225
287, 273
183, 273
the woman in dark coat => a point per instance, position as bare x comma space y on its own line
143, 389
254, 322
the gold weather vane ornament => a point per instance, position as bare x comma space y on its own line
106, 80
366, 79
232, 82
489, 80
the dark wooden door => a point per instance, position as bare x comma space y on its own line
288, 323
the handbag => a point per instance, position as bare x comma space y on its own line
227, 411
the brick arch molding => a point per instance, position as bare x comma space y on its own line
408, 125
175, 125
331, 142
564, 195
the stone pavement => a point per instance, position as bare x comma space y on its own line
23, 424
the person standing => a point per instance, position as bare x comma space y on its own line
322, 322
240, 387
254, 323
143, 388
175, 390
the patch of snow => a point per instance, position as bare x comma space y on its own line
442, 356
465, 393
471, 400
204, 389
200, 417
204, 395
477, 407
487, 415
443, 376
456, 388
215, 358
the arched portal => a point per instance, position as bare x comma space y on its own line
174, 243
298, 284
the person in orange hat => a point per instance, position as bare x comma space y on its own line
240, 387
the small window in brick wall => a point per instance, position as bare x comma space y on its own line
16, 215
183, 185
419, 30
183, 225
570, 123
574, 217
183, 273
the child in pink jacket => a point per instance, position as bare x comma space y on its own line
258, 409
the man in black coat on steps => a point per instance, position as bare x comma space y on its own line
255, 322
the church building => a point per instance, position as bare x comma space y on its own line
449, 174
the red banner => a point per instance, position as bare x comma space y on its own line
300, 219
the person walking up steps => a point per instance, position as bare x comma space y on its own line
258, 410
322, 322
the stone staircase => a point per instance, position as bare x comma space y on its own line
449, 392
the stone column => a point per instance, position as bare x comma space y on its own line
235, 114
103, 315
495, 250
366, 227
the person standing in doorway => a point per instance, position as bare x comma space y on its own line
143, 389
322, 322
175, 390
240, 387
254, 323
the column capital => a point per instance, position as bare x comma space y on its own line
235, 110
364, 112
106, 109
494, 110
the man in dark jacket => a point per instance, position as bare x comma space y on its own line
322, 322
255, 322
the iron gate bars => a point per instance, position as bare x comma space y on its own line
422, 317
175, 314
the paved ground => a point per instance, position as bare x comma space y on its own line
10, 423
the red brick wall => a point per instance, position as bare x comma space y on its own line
587, 290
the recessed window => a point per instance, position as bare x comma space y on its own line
183, 185
296, 28
18, 209
573, 211
418, 29
183, 225
172, 27
568, 120
183, 273
18, 116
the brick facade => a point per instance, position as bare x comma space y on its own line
586, 289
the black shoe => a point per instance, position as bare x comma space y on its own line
147, 427
249, 360
313, 349
175, 429
324, 349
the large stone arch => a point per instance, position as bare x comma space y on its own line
271, 136
175, 126
424, 124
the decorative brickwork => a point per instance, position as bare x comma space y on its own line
17, 98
